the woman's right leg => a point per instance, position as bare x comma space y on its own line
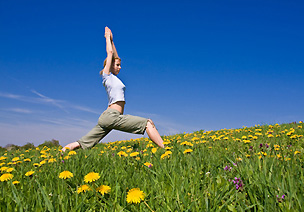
89, 140
153, 134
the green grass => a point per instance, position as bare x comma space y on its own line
195, 181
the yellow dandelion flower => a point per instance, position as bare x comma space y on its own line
42, 162
239, 159
91, 177
66, 157
135, 195
297, 152
122, 153
134, 154
3, 169
279, 156
83, 188
188, 151
27, 160
52, 160
10, 169
154, 150
6, 177
16, 182
43, 156
148, 164
248, 156
29, 173
15, 159
3, 158
66, 175
36, 164
103, 189
168, 152
137, 158
2, 164
72, 153
149, 145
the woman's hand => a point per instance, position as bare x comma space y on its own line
108, 33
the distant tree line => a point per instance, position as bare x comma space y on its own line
50, 144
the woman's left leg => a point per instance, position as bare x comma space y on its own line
138, 125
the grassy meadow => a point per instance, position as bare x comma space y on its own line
256, 168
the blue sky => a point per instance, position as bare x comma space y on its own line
188, 65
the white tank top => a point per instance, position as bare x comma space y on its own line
114, 87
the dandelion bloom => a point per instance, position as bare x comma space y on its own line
103, 189
4, 168
135, 195
36, 164
6, 177
2, 158
16, 182
52, 160
297, 152
10, 169
27, 160
91, 177
42, 162
65, 175
29, 173
149, 145
134, 154
154, 150
83, 188
15, 159
72, 153
148, 164
122, 153
188, 151
66, 157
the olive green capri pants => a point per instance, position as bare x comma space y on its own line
109, 120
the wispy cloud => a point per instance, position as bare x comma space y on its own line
18, 110
56, 103
42, 99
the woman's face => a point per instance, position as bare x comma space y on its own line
116, 67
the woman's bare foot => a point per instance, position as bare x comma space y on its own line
71, 146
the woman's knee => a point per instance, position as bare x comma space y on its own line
150, 123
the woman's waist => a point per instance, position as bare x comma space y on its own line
119, 106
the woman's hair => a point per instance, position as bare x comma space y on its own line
113, 60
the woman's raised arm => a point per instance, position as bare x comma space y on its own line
110, 51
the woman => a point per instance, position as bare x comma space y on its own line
113, 117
